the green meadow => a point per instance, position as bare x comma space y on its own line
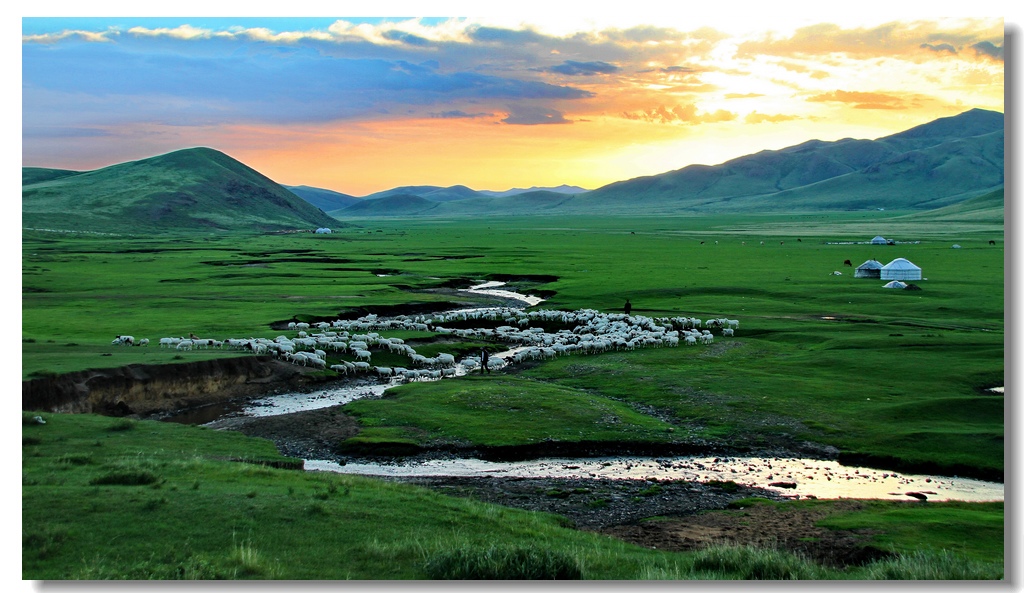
895, 379
106, 498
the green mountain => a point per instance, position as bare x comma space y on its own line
929, 166
392, 205
197, 189
433, 193
323, 199
31, 175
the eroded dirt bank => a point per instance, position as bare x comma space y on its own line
148, 389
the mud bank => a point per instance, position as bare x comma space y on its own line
148, 389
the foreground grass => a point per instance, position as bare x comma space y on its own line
464, 412
104, 498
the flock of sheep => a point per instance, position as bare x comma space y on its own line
591, 332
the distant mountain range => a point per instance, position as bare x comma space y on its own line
952, 166
929, 166
197, 189
323, 199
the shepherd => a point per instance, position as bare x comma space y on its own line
483, 361
628, 307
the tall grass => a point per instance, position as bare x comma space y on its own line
504, 563
943, 565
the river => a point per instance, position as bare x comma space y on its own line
797, 477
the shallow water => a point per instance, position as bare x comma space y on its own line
811, 478
488, 288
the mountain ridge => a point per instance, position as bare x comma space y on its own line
188, 190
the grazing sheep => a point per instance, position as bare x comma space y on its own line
123, 341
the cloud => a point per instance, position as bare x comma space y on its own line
504, 36
941, 47
406, 38
743, 95
459, 114
529, 115
674, 69
680, 114
574, 68
759, 118
987, 48
92, 36
862, 100
895, 39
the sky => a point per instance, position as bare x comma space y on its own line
528, 97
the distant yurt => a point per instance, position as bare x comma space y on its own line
895, 284
869, 269
900, 269
879, 240
955, 246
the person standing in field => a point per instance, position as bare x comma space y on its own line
628, 307
483, 361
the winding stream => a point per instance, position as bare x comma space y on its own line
802, 478
489, 288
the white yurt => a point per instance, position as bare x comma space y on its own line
895, 284
869, 269
900, 269
955, 246
879, 240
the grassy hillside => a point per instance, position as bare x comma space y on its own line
197, 189
30, 175
988, 208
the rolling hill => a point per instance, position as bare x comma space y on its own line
196, 189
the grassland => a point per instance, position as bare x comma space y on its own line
896, 378
108, 498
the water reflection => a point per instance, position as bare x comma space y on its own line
798, 477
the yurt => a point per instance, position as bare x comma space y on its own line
869, 269
879, 240
900, 269
895, 284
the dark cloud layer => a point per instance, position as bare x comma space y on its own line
529, 115
574, 68
276, 84
989, 49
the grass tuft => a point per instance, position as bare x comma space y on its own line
943, 565
512, 563
125, 478
122, 424
753, 563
